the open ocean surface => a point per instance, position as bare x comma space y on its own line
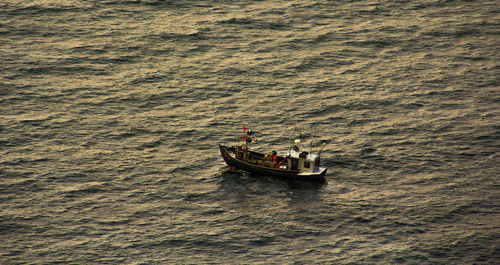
111, 112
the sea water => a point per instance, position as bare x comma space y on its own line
111, 113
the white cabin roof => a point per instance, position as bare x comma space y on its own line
295, 154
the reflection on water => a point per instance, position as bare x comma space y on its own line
244, 191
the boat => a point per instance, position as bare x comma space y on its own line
296, 164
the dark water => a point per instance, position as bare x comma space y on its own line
111, 112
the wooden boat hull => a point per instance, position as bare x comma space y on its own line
263, 170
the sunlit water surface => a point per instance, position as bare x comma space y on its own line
111, 112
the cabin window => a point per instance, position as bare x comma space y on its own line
307, 164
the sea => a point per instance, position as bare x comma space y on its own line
111, 113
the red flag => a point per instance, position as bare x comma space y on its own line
244, 128
244, 137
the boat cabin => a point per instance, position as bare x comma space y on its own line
303, 161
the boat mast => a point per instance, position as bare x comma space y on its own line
311, 143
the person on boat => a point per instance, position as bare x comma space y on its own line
274, 155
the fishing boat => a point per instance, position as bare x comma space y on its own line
296, 164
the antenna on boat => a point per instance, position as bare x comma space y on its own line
320, 150
311, 146
295, 147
